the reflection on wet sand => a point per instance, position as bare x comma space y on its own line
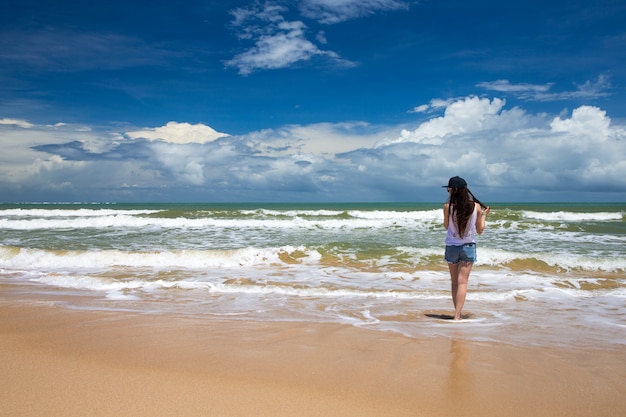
459, 376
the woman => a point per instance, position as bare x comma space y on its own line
463, 217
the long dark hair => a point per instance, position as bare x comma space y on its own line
461, 208
475, 199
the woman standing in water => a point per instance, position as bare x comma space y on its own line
463, 217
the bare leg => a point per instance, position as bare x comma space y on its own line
459, 275
454, 279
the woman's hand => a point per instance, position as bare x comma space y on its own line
480, 220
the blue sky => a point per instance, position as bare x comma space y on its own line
312, 100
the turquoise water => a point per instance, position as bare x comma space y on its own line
373, 265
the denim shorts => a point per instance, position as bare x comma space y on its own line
465, 253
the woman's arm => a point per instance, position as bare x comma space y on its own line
446, 215
480, 219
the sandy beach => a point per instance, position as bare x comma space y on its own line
61, 362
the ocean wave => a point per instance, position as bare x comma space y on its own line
568, 216
71, 213
230, 286
320, 289
558, 261
26, 258
135, 222
346, 214
391, 260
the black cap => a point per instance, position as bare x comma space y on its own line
456, 182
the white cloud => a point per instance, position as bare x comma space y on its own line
462, 116
321, 37
328, 138
504, 153
20, 161
335, 11
434, 104
420, 109
585, 121
540, 92
515, 150
278, 50
506, 87
42, 168
184, 163
278, 43
15, 122
178, 133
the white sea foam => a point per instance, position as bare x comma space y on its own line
137, 222
109, 285
202, 286
418, 215
565, 261
27, 258
45, 213
355, 214
568, 216
39, 219
189, 259
376, 268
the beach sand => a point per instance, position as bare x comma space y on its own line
62, 362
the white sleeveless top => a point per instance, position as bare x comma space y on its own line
453, 238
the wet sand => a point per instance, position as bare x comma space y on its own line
61, 362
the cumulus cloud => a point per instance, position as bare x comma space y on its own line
19, 158
505, 153
178, 133
461, 117
29, 174
516, 150
319, 139
586, 121
541, 92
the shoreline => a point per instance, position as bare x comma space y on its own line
62, 362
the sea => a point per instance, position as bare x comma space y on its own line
546, 275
